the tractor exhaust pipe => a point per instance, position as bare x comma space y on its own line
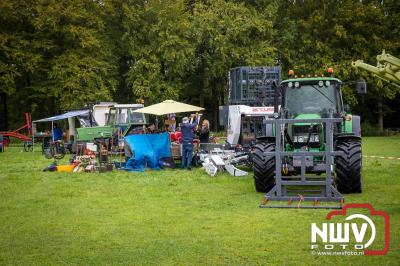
277, 95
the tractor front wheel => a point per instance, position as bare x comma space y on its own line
348, 167
264, 167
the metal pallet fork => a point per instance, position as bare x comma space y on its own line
297, 188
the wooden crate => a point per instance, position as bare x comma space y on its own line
175, 151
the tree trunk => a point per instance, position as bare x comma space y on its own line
201, 90
380, 115
5, 113
204, 85
201, 98
214, 95
215, 107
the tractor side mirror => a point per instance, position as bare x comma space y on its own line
361, 87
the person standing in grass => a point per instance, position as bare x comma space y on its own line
57, 133
187, 141
204, 131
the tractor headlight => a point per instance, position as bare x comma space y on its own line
300, 138
316, 138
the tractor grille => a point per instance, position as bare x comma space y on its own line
301, 135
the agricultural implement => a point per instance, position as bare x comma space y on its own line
18, 135
387, 69
251, 98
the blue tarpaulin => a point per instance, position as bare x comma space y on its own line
147, 150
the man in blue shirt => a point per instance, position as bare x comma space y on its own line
57, 133
187, 142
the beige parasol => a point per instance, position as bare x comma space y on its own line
168, 107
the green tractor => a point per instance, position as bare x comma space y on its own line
121, 120
312, 146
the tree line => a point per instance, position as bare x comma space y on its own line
59, 55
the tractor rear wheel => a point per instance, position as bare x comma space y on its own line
348, 167
264, 167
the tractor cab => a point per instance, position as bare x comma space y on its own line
121, 120
122, 117
122, 114
312, 97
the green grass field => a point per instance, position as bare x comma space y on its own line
171, 216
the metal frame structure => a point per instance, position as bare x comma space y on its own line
327, 192
253, 85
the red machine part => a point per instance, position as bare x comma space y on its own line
15, 134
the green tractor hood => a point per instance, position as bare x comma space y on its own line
306, 116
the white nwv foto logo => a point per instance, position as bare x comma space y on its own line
340, 232
357, 229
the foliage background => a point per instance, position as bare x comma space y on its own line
58, 55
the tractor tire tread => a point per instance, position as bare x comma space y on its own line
348, 167
263, 167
